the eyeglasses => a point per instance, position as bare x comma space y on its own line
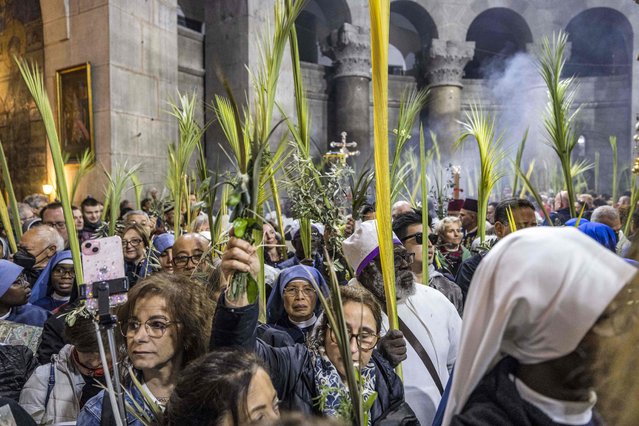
365, 341
182, 261
419, 238
404, 257
294, 291
133, 242
155, 328
64, 271
57, 225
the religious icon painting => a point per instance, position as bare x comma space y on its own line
75, 111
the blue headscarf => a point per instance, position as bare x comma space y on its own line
601, 233
41, 286
9, 272
275, 305
573, 221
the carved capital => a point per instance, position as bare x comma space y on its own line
446, 62
349, 48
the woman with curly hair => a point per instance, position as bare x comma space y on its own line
166, 325
449, 243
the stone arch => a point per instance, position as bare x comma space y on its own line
315, 23
499, 33
412, 30
601, 43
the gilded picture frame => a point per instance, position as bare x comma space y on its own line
75, 111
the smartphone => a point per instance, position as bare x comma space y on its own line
102, 260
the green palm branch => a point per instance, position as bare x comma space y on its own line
35, 83
8, 185
558, 119
520, 154
411, 104
480, 126
116, 184
615, 165
87, 161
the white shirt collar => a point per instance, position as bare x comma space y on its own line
564, 412
303, 324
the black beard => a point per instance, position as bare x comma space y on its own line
404, 284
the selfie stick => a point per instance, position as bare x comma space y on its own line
107, 321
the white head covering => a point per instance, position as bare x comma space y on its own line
534, 296
362, 247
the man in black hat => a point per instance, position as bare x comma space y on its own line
468, 217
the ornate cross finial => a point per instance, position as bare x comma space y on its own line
343, 151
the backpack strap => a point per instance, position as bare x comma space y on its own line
50, 385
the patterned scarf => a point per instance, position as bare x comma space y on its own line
333, 392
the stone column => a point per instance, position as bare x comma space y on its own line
444, 71
349, 47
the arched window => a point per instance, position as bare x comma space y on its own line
498, 34
411, 32
601, 44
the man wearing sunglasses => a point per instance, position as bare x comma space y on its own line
523, 213
408, 228
427, 320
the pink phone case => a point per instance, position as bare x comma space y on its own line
102, 260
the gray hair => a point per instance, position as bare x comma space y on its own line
134, 213
604, 214
49, 235
441, 225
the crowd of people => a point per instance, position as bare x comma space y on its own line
533, 325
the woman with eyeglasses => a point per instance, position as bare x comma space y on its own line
311, 378
14, 297
293, 305
135, 243
54, 285
166, 325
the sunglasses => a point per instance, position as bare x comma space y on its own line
419, 238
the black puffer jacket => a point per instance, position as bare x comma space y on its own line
291, 368
16, 365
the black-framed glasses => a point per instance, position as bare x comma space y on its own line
294, 291
155, 328
181, 261
133, 242
365, 341
64, 271
56, 225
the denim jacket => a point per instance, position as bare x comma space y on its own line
91, 413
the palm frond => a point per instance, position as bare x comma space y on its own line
411, 103
615, 165
580, 167
520, 154
137, 188
87, 161
535, 194
480, 126
597, 159
6, 222
13, 203
190, 136
558, 120
423, 161
531, 168
634, 198
360, 185
116, 186
380, 23
35, 83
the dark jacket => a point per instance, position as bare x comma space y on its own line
466, 272
291, 367
496, 402
16, 365
20, 417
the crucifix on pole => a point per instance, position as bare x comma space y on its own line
343, 152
